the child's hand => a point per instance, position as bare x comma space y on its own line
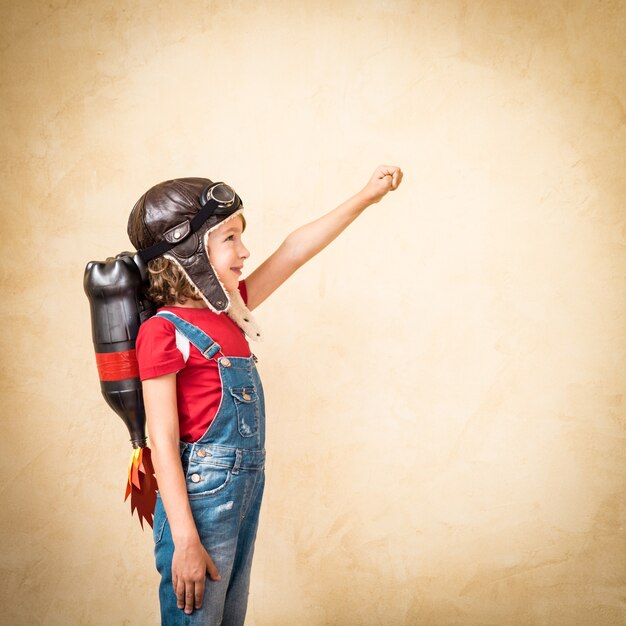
190, 566
386, 178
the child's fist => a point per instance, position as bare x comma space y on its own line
386, 178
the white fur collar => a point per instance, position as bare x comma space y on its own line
240, 314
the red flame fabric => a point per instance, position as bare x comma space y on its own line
142, 485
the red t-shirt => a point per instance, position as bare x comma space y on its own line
198, 383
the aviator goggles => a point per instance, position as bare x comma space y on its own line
216, 199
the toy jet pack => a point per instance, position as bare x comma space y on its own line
115, 291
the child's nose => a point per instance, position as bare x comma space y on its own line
244, 252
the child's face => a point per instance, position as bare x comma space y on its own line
227, 252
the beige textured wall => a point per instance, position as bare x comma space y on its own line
445, 384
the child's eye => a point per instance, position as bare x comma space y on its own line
231, 238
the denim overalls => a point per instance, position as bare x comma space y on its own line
225, 476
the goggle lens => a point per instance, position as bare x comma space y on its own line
220, 193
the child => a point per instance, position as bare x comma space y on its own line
203, 396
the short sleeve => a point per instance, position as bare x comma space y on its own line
243, 291
156, 349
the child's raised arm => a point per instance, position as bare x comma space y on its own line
305, 242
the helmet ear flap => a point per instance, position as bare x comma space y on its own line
198, 269
177, 233
188, 248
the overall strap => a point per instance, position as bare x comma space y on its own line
196, 336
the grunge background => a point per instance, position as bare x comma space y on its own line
445, 383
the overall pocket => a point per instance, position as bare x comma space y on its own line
207, 479
246, 403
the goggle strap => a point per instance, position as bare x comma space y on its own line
158, 249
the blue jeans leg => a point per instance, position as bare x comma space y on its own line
227, 524
236, 602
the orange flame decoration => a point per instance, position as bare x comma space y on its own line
142, 485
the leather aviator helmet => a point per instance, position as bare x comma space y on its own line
173, 219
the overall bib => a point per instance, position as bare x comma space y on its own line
225, 476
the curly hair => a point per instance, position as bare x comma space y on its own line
168, 283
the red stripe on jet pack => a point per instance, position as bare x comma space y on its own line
117, 365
